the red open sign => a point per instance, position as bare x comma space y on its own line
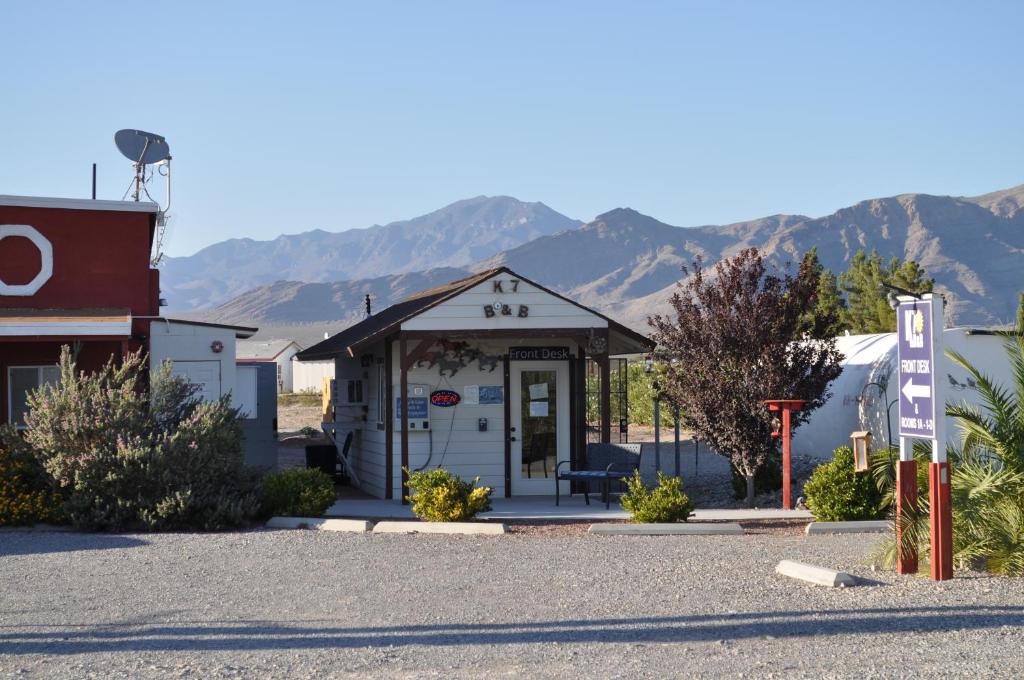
444, 398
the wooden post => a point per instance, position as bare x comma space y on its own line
787, 461
389, 420
906, 500
507, 386
606, 399
403, 391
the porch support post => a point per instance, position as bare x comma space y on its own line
403, 391
508, 425
389, 420
406, 361
606, 399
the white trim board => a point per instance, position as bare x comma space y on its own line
77, 204
64, 328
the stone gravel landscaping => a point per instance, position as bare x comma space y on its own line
321, 604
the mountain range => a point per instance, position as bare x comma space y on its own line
455, 236
623, 263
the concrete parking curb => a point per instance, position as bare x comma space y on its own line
349, 525
470, 528
816, 575
678, 529
863, 527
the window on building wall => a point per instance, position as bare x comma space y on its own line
382, 394
20, 381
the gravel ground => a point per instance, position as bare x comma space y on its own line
274, 604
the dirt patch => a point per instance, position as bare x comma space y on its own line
293, 417
774, 527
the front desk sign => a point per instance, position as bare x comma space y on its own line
916, 370
538, 354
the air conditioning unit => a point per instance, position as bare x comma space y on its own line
348, 392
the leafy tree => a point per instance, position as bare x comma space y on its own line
739, 338
867, 307
830, 305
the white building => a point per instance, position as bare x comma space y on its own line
864, 395
279, 352
493, 369
308, 376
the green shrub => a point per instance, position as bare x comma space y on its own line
835, 492
297, 493
439, 496
664, 503
27, 495
130, 456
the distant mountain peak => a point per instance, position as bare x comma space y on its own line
455, 235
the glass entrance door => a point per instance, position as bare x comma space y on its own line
540, 416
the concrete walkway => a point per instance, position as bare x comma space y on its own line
544, 508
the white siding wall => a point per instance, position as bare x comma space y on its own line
454, 440
466, 311
185, 342
308, 376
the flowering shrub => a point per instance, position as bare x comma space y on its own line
297, 493
26, 493
128, 457
440, 496
664, 503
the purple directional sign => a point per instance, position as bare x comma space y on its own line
916, 369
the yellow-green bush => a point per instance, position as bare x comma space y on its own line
26, 493
297, 493
836, 492
439, 496
664, 503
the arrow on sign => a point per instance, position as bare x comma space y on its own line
912, 390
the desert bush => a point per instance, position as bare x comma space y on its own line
134, 450
666, 502
835, 492
27, 494
439, 496
297, 493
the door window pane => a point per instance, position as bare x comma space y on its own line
539, 415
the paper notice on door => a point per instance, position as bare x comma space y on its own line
539, 391
471, 395
539, 409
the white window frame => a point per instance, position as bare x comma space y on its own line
10, 391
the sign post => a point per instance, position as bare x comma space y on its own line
919, 324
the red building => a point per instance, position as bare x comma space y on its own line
72, 272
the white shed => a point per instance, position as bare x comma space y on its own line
279, 352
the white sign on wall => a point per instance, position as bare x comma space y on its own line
45, 260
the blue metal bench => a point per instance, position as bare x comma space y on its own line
603, 463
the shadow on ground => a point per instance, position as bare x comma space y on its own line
278, 635
37, 543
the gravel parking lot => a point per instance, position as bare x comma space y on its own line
303, 603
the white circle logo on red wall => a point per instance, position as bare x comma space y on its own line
45, 260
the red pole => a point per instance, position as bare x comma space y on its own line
941, 521
906, 498
787, 497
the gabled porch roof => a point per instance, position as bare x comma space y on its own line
622, 340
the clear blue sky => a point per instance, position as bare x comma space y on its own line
285, 116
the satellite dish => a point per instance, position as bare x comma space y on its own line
140, 147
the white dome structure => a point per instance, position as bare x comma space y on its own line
864, 391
